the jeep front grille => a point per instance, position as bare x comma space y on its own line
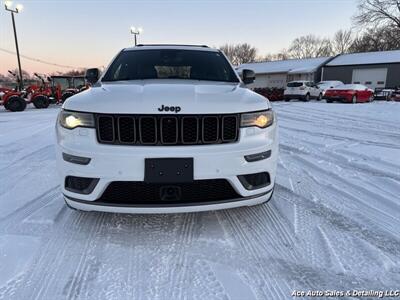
167, 129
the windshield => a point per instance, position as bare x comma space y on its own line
79, 82
295, 84
64, 83
170, 64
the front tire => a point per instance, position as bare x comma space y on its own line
41, 102
15, 103
319, 97
307, 98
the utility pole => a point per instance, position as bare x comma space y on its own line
17, 9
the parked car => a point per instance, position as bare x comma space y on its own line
395, 96
350, 93
303, 90
324, 85
383, 94
167, 129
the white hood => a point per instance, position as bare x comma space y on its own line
146, 96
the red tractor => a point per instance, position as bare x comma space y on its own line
39, 94
64, 85
76, 85
56, 90
13, 100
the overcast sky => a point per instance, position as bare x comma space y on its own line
89, 33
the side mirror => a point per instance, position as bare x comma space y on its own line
92, 75
248, 76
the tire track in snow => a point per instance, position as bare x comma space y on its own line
381, 239
339, 160
179, 272
207, 283
55, 245
350, 190
11, 222
347, 138
315, 115
78, 281
267, 285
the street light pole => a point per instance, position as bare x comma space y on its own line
21, 84
12, 11
136, 31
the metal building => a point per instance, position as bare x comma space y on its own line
373, 69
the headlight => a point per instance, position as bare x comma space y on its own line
71, 120
261, 119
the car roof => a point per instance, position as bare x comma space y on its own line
171, 46
350, 86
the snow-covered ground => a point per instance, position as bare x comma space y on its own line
333, 223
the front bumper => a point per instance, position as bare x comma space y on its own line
294, 96
114, 163
338, 98
165, 209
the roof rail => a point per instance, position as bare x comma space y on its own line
181, 45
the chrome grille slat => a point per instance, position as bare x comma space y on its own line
167, 130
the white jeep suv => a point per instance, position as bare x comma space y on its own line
303, 90
167, 129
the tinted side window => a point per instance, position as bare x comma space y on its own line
295, 84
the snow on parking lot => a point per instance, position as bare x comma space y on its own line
333, 223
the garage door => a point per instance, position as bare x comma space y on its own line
372, 78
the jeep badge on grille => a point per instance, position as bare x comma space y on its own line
176, 109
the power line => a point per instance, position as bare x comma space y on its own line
40, 61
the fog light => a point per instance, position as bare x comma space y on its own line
80, 185
258, 156
255, 181
76, 159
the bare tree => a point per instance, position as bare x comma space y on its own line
378, 12
282, 55
25, 74
240, 53
377, 39
4, 78
77, 72
310, 46
342, 41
